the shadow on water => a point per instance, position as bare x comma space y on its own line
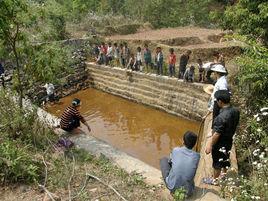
143, 132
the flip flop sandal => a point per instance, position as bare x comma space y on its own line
209, 181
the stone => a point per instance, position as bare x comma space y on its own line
55, 197
93, 190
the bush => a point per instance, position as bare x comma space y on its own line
17, 164
22, 124
23, 138
251, 139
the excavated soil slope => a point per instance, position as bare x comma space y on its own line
202, 42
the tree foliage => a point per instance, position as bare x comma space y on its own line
248, 17
253, 74
31, 61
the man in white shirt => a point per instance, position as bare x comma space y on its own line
109, 54
50, 92
221, 84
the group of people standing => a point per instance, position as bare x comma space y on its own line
143, 60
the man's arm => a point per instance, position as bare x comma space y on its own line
86, 124
212, 141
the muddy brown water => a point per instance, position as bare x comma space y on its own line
143, 132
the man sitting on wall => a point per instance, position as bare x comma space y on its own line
71, 117
179, 170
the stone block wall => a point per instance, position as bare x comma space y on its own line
168, 94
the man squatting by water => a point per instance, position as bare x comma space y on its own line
71, 117
179, 169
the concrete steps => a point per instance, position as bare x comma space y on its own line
161, 92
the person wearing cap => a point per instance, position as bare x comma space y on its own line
179, 170
71, 117
224, 127
221, 84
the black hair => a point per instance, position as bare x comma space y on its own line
139, 48
189, 139
216, 54
223, 95
76, 102
171, 50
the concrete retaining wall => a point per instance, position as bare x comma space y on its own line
169, 94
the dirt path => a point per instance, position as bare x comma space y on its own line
168, 33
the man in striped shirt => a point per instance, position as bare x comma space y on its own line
71, 117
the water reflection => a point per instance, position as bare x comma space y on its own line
141, 131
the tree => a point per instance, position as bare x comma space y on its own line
32, 62
248, 17
111, 6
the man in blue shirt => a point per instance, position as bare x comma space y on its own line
179, 170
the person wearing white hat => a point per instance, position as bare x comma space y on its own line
219, 72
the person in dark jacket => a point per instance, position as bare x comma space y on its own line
183, 63
223, 130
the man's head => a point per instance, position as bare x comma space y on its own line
76, 102
171, 50
189, 139
216, 54
219, 70
199, 61
223, 97
188, 52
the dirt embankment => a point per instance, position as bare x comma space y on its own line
202, 42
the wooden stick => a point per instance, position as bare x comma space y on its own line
45, 171
199, 133
48, 193
109, 186
70, 180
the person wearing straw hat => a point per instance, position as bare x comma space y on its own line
219, 72
179, 170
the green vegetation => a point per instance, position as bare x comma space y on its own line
251, 139
31, 62
29, 155
29, 31
249, 18
180, 194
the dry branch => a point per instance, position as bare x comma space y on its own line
47, 192
109, 186
70, 180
